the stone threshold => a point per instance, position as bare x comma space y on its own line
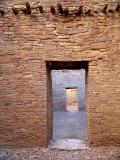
68, 144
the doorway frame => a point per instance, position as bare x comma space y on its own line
57, 65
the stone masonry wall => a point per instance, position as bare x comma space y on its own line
62, 79
27, 42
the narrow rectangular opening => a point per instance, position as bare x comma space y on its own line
68, 92
72, 100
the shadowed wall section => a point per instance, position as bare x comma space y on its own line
62, 79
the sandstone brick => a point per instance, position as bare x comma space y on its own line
27, 42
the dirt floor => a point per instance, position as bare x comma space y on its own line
101, 153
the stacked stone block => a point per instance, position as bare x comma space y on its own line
27, 42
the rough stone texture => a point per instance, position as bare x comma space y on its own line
62, 79
26, 43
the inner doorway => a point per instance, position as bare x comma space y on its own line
72, 100
68, 91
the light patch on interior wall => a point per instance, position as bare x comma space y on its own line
72, 100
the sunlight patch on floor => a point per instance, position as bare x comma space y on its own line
68, 144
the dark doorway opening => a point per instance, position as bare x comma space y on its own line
67, 115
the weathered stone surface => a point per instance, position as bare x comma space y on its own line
27, 42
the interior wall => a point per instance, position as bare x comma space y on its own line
62, 79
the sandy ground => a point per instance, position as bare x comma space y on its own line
100, 153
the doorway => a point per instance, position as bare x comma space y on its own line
72, 100
68, 92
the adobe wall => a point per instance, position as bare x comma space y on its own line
62, 79
26, 43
